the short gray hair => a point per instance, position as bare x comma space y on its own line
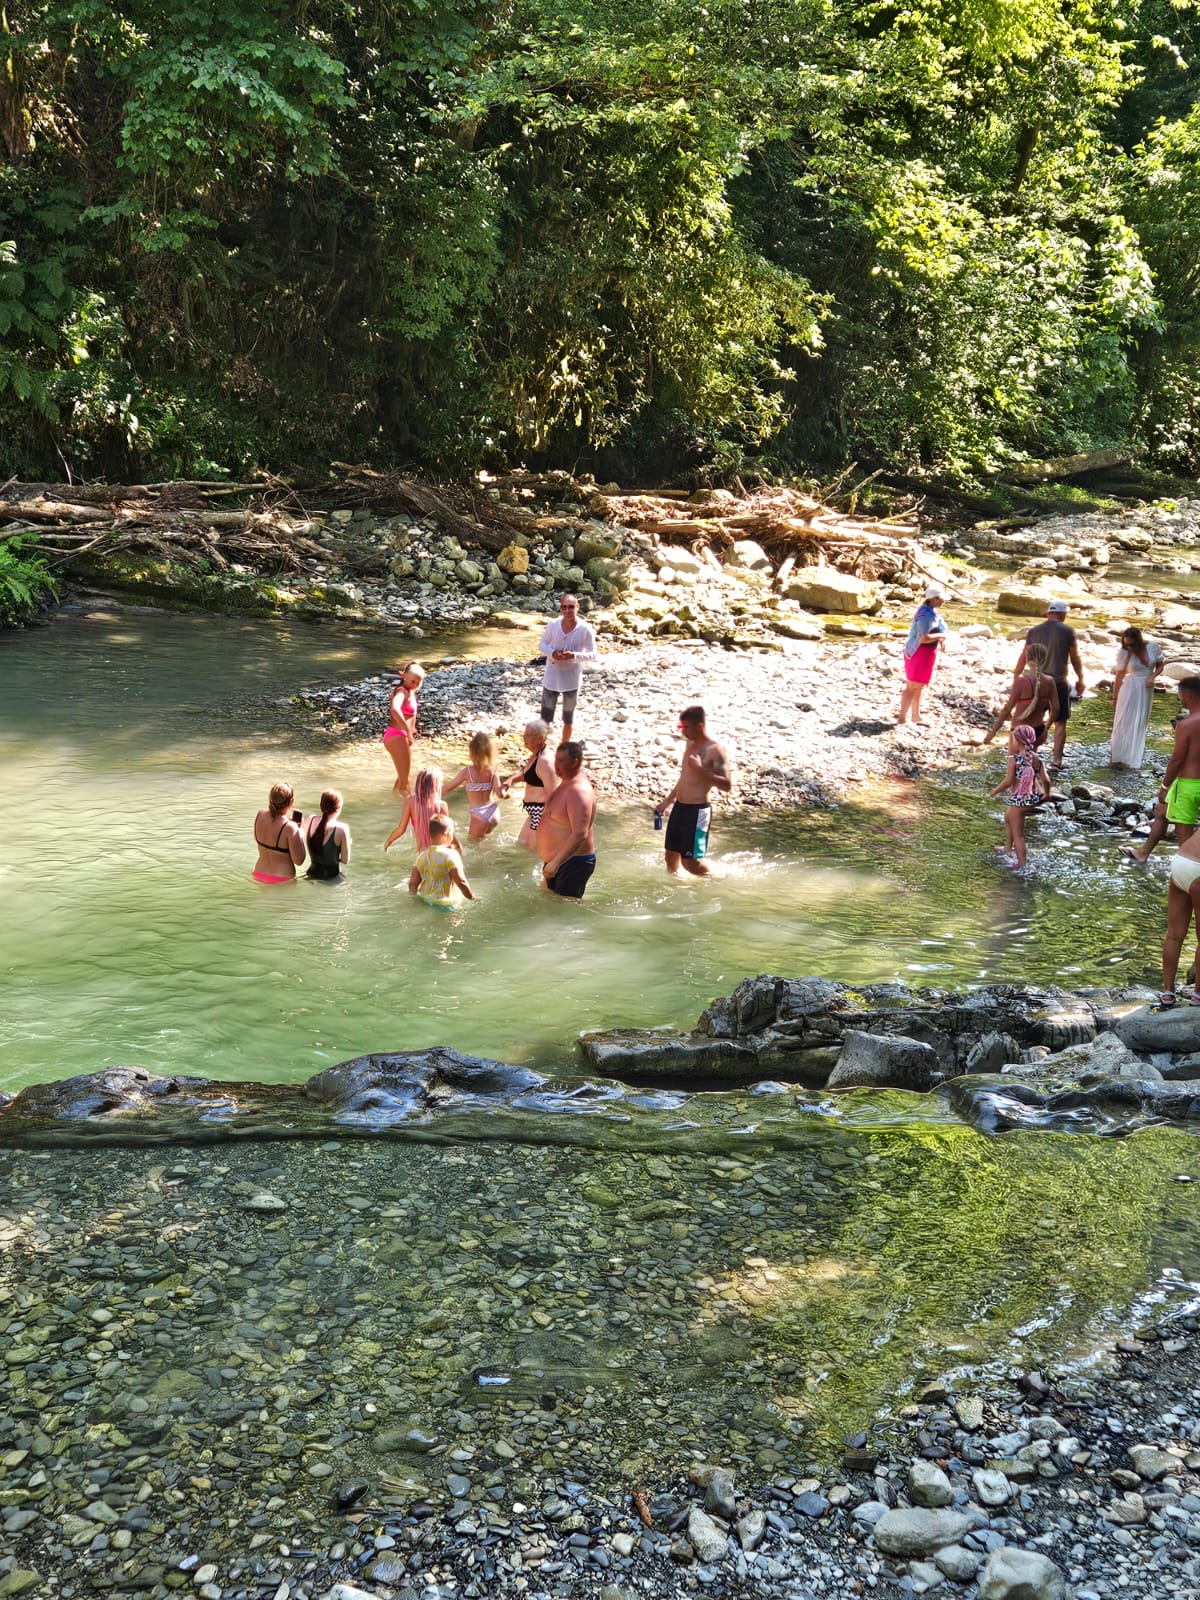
538, 726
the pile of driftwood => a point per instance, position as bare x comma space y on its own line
268, 524
790, 526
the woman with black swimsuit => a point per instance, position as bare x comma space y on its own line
277, 862
539, 779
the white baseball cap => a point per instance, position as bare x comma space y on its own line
1060, 606
934, 591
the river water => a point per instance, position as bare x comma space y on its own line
826, 1269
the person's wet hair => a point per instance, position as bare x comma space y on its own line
281, 798
573, 750
692, 714
331, 802
1190, 686
439, 827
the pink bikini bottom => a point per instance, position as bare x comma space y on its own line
267, 877
394, 733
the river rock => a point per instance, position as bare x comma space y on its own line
827, 589
871, 1061
752, 1529
991, 1488
112, 1091
708, 1540
1012, 1574
928, 1485
957, 1562
597, 541
384, 1087
513, 560
720, 1495
748, 556
1151, 1463
1176, 1032
915, 1531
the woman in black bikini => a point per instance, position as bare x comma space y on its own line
539, 779
279, 840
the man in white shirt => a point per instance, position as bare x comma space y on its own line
566, 644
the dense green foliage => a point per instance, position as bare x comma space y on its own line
26, 582
647, 235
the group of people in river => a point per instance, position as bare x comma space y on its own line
1047, 678
558, 793
1040, 701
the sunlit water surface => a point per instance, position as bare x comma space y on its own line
134, 753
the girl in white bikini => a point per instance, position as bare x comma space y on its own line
483, 785
1183, 909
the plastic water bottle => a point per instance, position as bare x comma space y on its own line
658, 821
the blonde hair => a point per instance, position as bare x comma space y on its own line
483, 749
412, 666
282, 795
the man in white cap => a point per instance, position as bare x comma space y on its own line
1061, 650
925, 637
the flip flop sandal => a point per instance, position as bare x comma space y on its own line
1193, 1000
1167, 1001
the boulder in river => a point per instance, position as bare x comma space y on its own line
378, 1086
827, 589
1176, 1031
870, 1061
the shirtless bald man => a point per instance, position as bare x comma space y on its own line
564, 838
703, 769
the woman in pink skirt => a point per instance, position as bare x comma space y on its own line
925, 638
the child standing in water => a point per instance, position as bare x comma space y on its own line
1028, 782
401, 730
420, 807
437, 875
483, 785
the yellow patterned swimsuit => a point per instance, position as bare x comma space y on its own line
436, 866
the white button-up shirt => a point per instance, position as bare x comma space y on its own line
562, 675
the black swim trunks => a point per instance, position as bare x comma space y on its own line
571, 879
1063, 686
687, 830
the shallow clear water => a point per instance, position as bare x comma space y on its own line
763, 1276
134, 753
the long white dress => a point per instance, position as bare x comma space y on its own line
1132, 716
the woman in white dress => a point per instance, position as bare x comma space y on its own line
1139, 663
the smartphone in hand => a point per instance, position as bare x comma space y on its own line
297, 817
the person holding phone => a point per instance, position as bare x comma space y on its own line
278, 837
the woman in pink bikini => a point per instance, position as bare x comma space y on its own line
401, 730
278, 837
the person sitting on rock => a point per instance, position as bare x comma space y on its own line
437, 876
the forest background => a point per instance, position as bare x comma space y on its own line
642, 237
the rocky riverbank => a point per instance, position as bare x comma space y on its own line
1003, 1057
801, 725
408, 1371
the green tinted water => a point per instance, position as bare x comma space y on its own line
135, 752
791, 1283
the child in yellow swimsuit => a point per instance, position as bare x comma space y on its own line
437, 875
